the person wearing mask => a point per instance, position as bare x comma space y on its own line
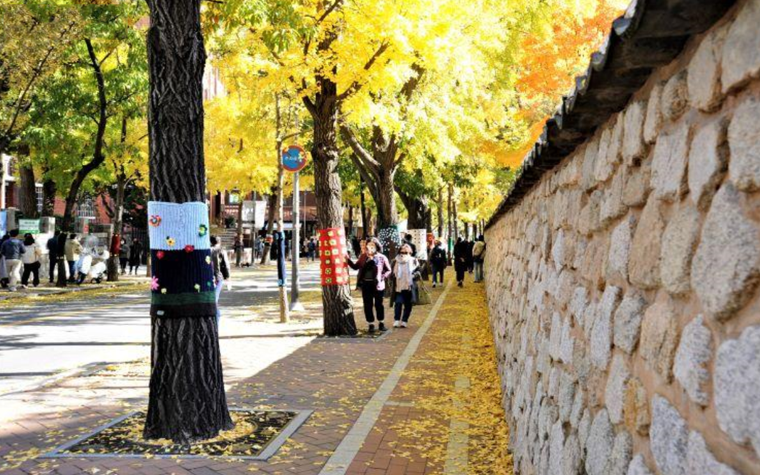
221, 270
123, 256
405, 268
72, 250
31, 261
374, 269
460, 260
438, 262
52, 247
409, 241
478, 254
135, 256
12, 250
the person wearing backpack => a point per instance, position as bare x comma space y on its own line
438, 262
221, 270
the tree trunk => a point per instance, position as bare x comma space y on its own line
336, 299
239, 248
187, 400
48, 197
350, 226
270, 226
363, 205
450, 231
440, 213
118, 216
418, 210
387, 215
27, 192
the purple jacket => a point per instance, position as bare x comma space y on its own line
383, 270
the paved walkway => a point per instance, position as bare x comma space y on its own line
422, 400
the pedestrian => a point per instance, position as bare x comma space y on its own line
405, 271
478, 254
312, 249
374, 269
83, 265
12, 250
221, 270
438, 261
460, 260
31, 261
470, 261
123, 256
3, 268
135, 256
72, 249
409, 240
52, 247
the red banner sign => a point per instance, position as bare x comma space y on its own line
332, 252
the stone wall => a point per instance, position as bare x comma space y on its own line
623, 288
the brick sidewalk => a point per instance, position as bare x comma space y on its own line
347, 383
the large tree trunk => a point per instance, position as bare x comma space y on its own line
336, 299
27, 192
350, 226
387, 215
49, 189
418, 210
118, 216
187, 400
265, 257
239, 234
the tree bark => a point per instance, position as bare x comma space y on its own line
239, 233
28, 192
350, 220
418, 210
49, 190
265, 258
187, 400
118, 217
440, 213
336, 299
363, 205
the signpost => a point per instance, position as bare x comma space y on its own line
294, 160
31, 226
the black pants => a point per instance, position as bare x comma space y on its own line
123, 264
373, 303
403, 302
461, 269
34, 270
134, 265
438, 273
53, 263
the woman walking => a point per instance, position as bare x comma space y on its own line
221, 270
123, 256
374, 269
438, 261
135, 256
478, 254
460, 260
31, 260
405, 266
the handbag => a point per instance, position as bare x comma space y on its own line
422, 295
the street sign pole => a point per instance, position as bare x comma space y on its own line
295, 247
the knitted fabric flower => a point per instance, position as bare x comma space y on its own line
154, 220
154, 283
170, 241
163, 291
208, 260
189, 248
197, 287
160, 254
202, 230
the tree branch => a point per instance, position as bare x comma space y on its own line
353, 142
356, 85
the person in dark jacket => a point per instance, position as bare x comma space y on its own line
438, 261
460, 260
221, 270
123, 256
470, 260
12, 250
135, 256
52, 247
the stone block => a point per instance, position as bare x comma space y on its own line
599, 445
741, 50
675, 97
708, 161
736, 386
637, 185
620, 458
679, 242
588, 219
644, 264
669, 438
612, 204
699, 459
579, 406
669, 164
659, 338
572, 457
605, 165
627, 323
620, 249
634, 146
566, 396
614, 393
638, 466
726, 267
555, 336
744, 142
654, 114
556, 447
595, 261
584, 428
704, 72
567, 343
692, 357
601, 333
636, 408
589, 165
578, 304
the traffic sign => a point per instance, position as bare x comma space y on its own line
294, 158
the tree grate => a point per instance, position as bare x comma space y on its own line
257, 435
